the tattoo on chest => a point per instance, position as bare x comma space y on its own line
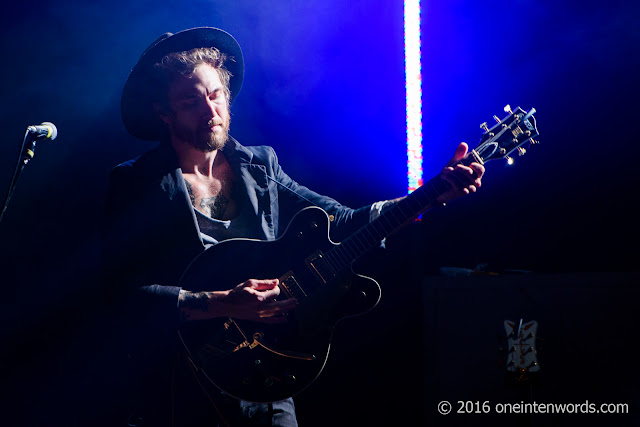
192, 196
213, 207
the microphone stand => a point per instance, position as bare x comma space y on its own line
27, 151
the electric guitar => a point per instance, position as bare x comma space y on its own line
265, 363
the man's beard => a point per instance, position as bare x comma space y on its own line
202, 140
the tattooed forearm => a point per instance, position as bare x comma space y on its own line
192, 302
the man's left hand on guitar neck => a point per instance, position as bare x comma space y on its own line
463, 179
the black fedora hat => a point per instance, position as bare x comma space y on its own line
138, 115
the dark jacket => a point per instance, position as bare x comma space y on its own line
151, 236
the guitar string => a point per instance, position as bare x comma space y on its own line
428, 192
357, 244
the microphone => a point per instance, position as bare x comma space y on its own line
46, 130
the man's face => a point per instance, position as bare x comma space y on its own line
199, 113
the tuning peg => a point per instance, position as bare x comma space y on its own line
509, 160
497, 119
507, 109
484, 127
533, 142
521, 151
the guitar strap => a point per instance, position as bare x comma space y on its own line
291, 190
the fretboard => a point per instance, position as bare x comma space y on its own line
368, 237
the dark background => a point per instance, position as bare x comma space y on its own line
325, 86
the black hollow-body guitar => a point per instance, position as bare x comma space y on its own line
265, 363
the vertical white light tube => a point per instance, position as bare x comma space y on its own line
413, 85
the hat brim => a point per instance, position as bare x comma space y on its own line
138, 115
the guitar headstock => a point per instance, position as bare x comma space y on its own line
507, 135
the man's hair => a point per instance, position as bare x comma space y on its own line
178, 64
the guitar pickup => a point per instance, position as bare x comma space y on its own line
319, 266
291, 286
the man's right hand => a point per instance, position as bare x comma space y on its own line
252, 300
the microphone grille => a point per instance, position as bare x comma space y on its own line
54, 130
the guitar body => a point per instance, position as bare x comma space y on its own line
264, 363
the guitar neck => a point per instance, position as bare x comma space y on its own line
391, 219
507, 136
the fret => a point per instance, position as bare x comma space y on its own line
359, 243
345, 257
395, 216
329, 256
389, 220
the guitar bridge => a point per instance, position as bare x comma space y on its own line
319, 266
